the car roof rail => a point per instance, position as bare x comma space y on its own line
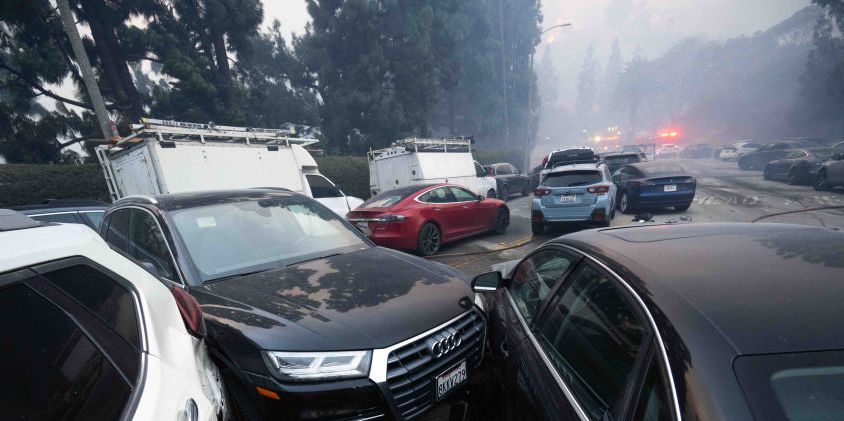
11, 221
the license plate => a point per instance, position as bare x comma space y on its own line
670, 187
569, 198
451, 379
364, 228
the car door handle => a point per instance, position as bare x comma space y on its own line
437, 209
465, 207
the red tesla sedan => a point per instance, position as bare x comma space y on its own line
421, 218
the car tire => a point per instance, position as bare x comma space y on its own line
526, 189
429, 240
240, 406
537, 228
490, 194
624, 204
743, 165
682, 208
766, 175
505, 193
794, 179
821, 182
502, 220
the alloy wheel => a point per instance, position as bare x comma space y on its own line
821, 182
430, 238
624, 203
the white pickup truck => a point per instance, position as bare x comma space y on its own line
422, 161
173, 157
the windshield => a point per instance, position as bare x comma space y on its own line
243, 237
573, 178
797, 387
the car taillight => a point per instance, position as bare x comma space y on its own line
191, 313
391, 218
541, 192
599, 189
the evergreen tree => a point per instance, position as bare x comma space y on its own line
611, 74
587, 83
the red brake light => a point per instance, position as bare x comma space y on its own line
541, 192
599, 189
191, 313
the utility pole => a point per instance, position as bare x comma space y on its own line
85, 69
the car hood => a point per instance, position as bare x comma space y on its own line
366, 299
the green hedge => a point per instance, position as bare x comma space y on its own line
22, 184
351, 173
494, 156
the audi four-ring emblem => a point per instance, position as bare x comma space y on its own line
444, 343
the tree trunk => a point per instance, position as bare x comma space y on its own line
223, 68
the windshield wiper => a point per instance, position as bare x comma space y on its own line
238, 275
314, 258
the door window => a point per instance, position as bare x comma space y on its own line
440, 195
479, 170
653, 404
93, 218
110, 301
534, 279
51, 369
147, 243
593, 335
463, 195
321, 187
63, 218
117, 233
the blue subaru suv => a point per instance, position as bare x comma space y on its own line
574, 193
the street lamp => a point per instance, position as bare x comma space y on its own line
528, 109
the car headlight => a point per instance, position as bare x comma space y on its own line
318, 366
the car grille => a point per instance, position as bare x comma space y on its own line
411, 369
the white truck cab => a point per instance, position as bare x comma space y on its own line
164, 157
421, 161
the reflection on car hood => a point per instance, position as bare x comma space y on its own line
366, 299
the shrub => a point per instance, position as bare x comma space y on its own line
26, 184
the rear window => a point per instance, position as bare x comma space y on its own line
799, 386
663, 169
390, 197
565, 157
573, 178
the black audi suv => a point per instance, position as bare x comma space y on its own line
306, 317
671, 322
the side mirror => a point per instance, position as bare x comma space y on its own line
480, 197
487, 282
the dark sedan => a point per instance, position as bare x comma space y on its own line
306, 318
831, 173
615, 324
654, 185
616, 160
799, 166
67, 211
770, 152
509, 180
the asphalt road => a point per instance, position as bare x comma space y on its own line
724, 194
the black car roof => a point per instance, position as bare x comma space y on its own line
61, 205
762, 288
175, 201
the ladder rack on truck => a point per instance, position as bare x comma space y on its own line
446, 144
168, 130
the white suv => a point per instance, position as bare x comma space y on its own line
86, 333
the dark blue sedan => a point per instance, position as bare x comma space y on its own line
654, 185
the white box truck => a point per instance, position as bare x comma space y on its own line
163, 157
421, 161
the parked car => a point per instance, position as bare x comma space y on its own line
568, 157
616, 160
767, 153
798, 167
698, 151
668, 151
574, 193
535, 176
615, 324
738, 149
654, 184
422, 218
509, 180
830, 174
88, 334
87, 212
306, 317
